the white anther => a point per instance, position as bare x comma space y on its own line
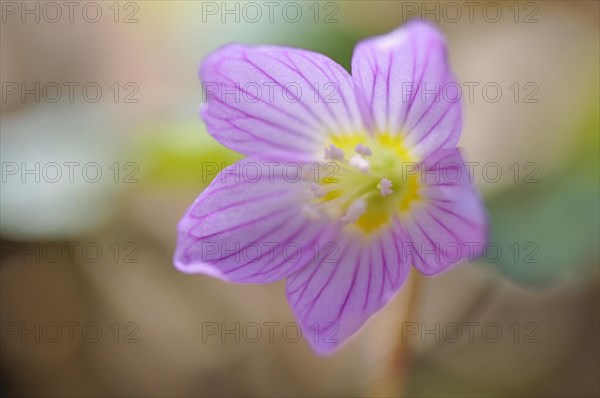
310, 212
360, 163
363, 150
356, 209
384, 187
334, 153
317, 190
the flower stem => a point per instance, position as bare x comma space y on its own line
394, 378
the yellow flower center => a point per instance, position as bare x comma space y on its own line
365, 180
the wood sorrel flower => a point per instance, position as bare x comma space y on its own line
348, 180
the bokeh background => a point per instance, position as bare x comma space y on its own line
147, 138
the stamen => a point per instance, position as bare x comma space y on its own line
311, 212
317, 190
384, 187
350, 184
363, 150
360, 163
334, 153
336, 203
356, 209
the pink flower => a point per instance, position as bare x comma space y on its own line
382, 187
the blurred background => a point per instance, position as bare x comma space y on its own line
106, 95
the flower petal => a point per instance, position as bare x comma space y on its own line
450, 224
276, 101
405, 86
332, 298
246, 226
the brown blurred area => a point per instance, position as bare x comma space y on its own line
157, 326
170, 353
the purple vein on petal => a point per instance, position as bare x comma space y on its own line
462, 218
311, 303
412, 80
423, 71
290, 238
349, 292
242, 202
349, 83
375, 75
360, 93
433, 244
437, 220
439, 161
413, 242
261, 238
443, 184
245, 224
445, 74
271, 105
255, 138
384, 271
450, 136
266, 121
196, 239
260, 139
398, 273
417, 249
441, 200
305, 285
397, 237
370, 263
387, 91
225, 188
423, 136
309, 244
350, 115
303, 76
238, 176
308, 109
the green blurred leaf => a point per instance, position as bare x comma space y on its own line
181, 155
551, 227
